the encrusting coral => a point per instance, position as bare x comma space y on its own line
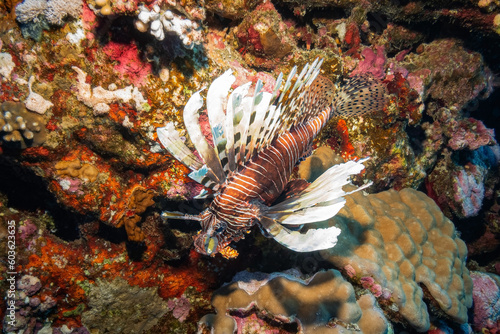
20, 128
138, 202
75, 168
311, 304
403, 240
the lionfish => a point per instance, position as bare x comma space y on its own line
258, 139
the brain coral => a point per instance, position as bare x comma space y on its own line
311, 303
403, 241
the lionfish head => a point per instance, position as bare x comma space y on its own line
212, 237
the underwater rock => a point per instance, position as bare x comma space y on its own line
116, 307
264, 34
486, 295
457, 75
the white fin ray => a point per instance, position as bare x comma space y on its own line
170, 139
234, 110
326, 191
216, 97
312, 240
257, 126
207, 153
277, 87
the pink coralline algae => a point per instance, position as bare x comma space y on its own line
30, 307
27, 229
369, 283
470, 133
129, 63
180, 308
468, 184
486, 295
373, 63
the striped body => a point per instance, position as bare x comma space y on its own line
264, 177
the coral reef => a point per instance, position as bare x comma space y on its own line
30, 306
85, 83
161, 23
322, 159
53, 11
75, 168
282, 298
138, 202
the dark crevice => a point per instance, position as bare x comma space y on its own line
26, 191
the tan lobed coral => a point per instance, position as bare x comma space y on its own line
140, 199
20, 128
316, 164
75, 168
403, 240
324, 303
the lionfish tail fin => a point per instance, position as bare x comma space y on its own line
360, 95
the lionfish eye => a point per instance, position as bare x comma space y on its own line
210, 244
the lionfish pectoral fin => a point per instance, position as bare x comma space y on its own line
203, 194
178, 215
269, 227
312, 240
292, 238
170, 139
294, 187
319, 201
